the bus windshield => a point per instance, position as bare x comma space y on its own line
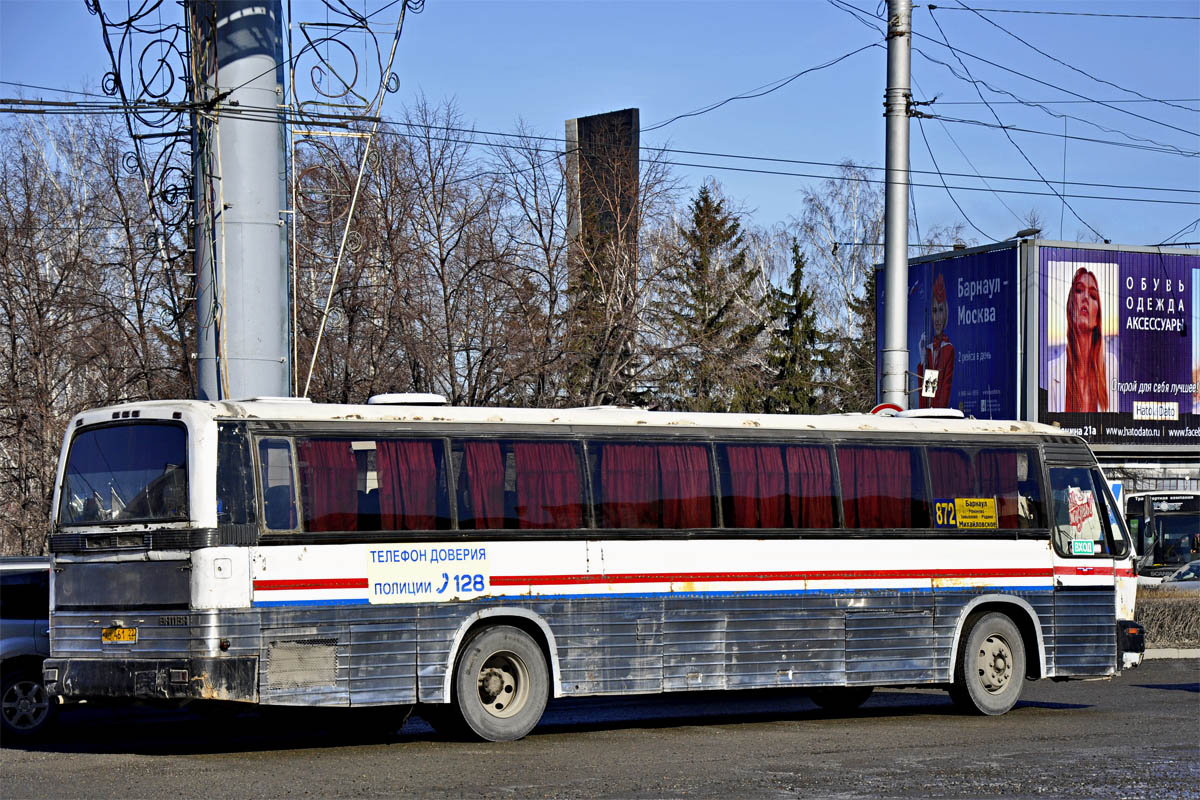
126, 473
1177, 538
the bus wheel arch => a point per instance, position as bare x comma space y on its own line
1022, 615
523, 619
990, 672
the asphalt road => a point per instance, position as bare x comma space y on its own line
1137, 736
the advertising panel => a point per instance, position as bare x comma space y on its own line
962, 327
1120, 355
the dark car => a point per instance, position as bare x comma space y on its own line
25, 708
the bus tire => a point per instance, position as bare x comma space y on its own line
501, 683
840, 699
990, 672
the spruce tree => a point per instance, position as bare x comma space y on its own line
796, 356
708, 310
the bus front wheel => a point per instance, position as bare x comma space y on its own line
990, 672
501, 683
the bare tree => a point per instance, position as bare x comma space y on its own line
85, 310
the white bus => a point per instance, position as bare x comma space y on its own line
483, 560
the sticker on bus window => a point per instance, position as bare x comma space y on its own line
1083, 547
965, 513
1085, 524
422, 573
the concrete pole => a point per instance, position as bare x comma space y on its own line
895, 344
241, 245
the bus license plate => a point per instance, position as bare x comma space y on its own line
123, 635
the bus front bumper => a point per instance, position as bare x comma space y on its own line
1131, 643
234, 678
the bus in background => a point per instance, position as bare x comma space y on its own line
1165, 526
480, 561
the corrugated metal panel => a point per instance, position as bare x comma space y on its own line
610, 648
889, 647
693, 650
775, 646
383, 663
1085, 636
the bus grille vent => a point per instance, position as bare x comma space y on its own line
302, 664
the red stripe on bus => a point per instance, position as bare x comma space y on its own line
310, 583
1087, 571
711, 577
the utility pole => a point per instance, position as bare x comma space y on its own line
241, 188
896, 99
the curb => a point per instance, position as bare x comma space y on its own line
1172, 652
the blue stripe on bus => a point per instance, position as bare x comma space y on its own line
362, 601
345, 601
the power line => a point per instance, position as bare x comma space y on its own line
274, 115
761, 90
1063, 13
855, 11
52, 89
953, 199
1132, 146
1073, 102
1059, 61
1185, 229
961, 152
1008, 136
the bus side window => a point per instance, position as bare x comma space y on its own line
524, 485
776, 486
651, 485
278, 484
883, 487
1006, 475
235, 477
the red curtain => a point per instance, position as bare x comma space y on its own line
549, 490
810, 487
876, 487
758, 486
485, 476
628, 486
951, 473
686, 486
329, 478
408, 485
998, 478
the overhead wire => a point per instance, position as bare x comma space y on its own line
1012, 141
855, 11
270, 115
761, 90
1069, 13
1059, 61
555, 153
857, 14
971, 164
950, 194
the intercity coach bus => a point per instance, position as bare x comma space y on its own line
483, 560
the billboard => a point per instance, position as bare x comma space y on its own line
1119, 353
962, 324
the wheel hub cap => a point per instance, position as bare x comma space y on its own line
994, 663
502, 682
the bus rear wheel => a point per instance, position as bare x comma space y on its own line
990, 672
501, 683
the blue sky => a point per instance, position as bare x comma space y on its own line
548, 60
